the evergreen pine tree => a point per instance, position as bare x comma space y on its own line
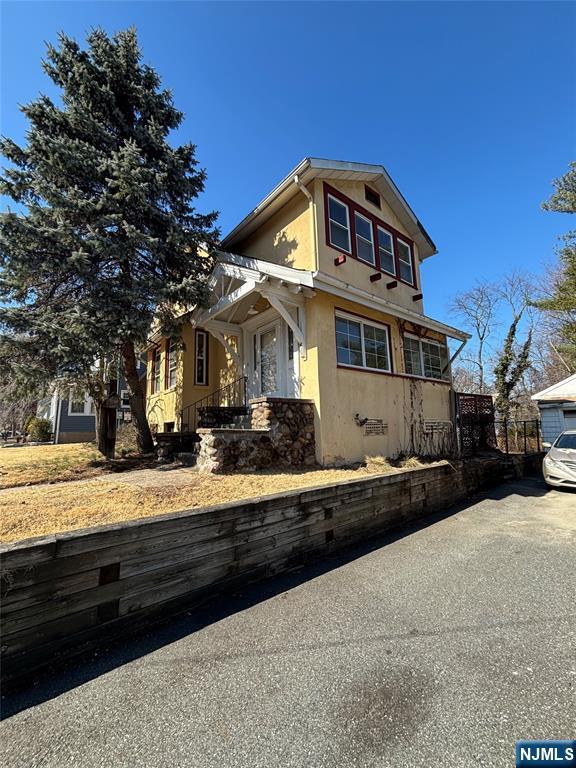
562, 300
105, 237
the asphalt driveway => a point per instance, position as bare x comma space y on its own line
440, 647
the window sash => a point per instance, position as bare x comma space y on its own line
157, 372
338, 224
363, 345
80, 406
361, 239
405, 262
431, 357
388, 253
201, 359
171, 364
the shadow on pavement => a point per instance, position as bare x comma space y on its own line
52, 683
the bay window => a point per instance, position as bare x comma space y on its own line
360, 344
427, 358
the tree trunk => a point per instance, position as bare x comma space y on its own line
100, 428
137, 400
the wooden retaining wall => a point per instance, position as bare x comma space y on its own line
67, 593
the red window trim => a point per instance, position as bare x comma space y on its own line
206, 357
368, 321
352, 208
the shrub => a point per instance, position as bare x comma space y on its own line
39, 430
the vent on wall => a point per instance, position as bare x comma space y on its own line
372, 196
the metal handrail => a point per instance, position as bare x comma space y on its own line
233, 395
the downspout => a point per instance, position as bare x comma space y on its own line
312, 207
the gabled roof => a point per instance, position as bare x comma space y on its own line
315, 167
563, 390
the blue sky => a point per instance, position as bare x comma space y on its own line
470, 106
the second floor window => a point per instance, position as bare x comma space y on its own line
386, 251
353, 230
364, 243
405, 261
339, 224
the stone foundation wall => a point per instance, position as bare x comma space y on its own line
282, 435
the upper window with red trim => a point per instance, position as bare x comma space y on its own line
353, 230
339, 223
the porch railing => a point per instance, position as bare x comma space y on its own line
232, 396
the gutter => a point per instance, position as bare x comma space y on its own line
324, 282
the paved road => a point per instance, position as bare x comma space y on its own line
438, 648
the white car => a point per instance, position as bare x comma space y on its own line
559, 465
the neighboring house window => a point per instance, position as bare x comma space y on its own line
171, 362
339, 219
361, 344
80, 405
405, 261
124, 398
386, 251
364, 242
356, 231
156, 369
423, 357
201, 359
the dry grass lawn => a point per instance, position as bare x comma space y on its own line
36, 511
47, 463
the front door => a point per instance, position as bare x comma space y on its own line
268, 361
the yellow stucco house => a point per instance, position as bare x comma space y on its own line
317, 298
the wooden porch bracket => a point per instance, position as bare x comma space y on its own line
227, 346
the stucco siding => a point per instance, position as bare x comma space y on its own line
403, 403
165, 405
286, 238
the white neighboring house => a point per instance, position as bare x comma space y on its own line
557, 406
